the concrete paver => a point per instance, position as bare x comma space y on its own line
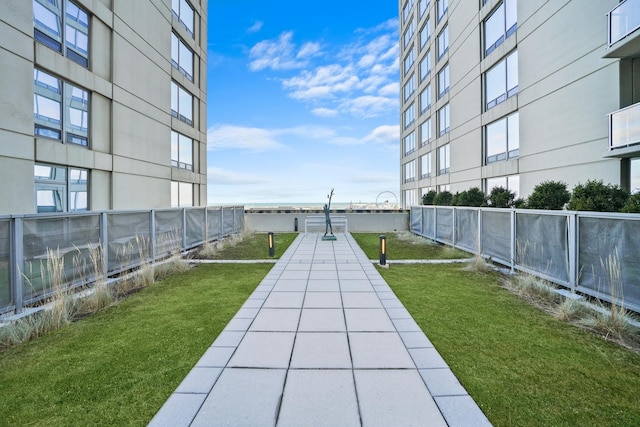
322, 341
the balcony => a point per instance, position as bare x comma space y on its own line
624, 37
624, 132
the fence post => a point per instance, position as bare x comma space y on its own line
513, 238
453, 227
17, 266
104, 241
221, 222
479, 236
152, 234
435, 223
573, 246
184, 229
206, 224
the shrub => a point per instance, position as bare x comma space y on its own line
443, 198
633, 204
552, 195
471, 197
427, 199
597, 196
500, 197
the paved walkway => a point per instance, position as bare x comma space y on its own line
322, 341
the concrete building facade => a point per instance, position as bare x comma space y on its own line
512, 93
102, 104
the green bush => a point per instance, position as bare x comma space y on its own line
598, 197
471, 197
551, 195
633, 204
443, 198
427, 198
500, 197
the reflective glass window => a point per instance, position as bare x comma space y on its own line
443, 81
425, 132
410, 143
181, 151
425, 66
184, 12
425, 166
634, 172
181, 57
444, 121
425, 34
181, 104
501, 81
61, 189
425, 99
443, 42
444, 160
502, 139
410, 171
50, 17
499, 25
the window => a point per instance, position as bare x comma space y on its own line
501, 81
443, 42
410, 198
61, 189
425, 99
409, 88
425, 166
425, 132
442, 6
443, 81
181, 104
60, 108
181, 57
183, 11
444, 120
511, 183
425, 34
409, 115
410, 171
55, 21
409, 60
425, 66
408, 34
503, 139
181, 151
444, 187
181, 194
444, 160
424, 4
405, 10
499, 25
410, 143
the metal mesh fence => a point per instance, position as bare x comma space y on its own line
444, 225
416, 220
128, 240
428, 227
542, 244
58, 251
196, 227
467, 229
496, 235
214, 223
608, 259
169, 232
228, 220
5, 266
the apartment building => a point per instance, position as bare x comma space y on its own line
102, 105
512, 93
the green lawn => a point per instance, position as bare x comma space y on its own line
119, 366
523, 367
256, 246
403, 246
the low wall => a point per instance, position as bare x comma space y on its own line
359, 221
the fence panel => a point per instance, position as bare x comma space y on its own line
128, 240
5, 264
542, 245
608, 259
416, 219
496, 235
428, 228
444, 225
227, 221
58, 251
467, 229
196, 227
214, 223
239, 219
169, 230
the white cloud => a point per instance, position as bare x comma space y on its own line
384, 134
390, 89
308, 50
276, 54
257, 26
220, 176
368, 106
244, 138
324, 112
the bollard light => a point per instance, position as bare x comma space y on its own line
295, 224
383, 249
272, 245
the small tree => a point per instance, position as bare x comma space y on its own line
549, 195
427, 198
500, 197
443, 198
633, 204
598, 197
471, 197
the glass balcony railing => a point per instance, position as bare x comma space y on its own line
624, 127
623, 20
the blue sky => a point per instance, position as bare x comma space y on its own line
302, 97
